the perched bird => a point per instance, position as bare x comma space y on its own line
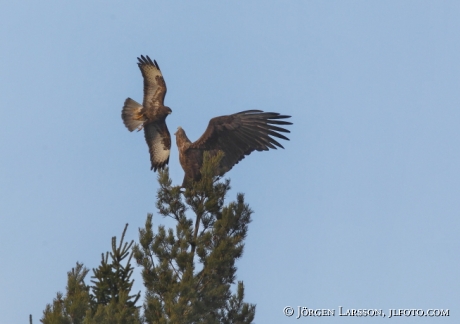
151, 115
235, 135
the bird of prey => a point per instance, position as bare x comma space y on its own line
151, 115
235, 135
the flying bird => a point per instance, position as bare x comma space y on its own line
235, 135
151, 115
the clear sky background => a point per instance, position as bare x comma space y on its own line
360, 210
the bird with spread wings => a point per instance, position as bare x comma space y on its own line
151, 115
235, 135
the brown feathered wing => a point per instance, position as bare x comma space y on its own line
240, 134
154, 84
159, 142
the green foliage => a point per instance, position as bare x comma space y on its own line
236, 311
111, 302
72, 308
188, 272
107, 302
117, 311
113, 279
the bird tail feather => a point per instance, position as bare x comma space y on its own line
132, 115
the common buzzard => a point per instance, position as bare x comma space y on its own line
151, 115
235, 135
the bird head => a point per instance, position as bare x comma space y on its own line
182, 140
179, 131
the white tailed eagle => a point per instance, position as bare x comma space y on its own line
151, 115
235, 135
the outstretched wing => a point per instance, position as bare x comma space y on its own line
159, 141
240, 134
154, 84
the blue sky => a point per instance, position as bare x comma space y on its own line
360, 210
